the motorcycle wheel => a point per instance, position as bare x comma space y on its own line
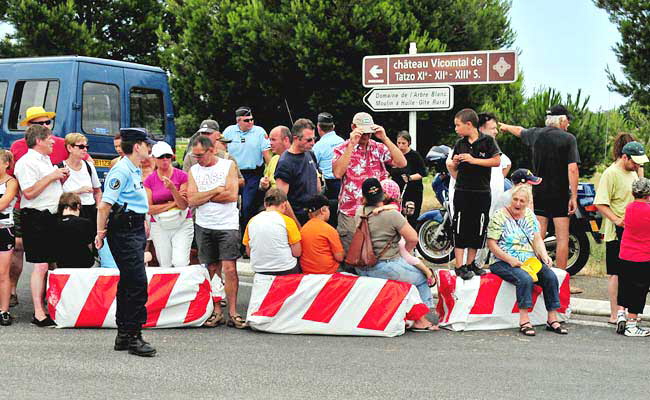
579, 249
438, 250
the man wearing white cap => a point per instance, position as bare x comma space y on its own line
356, 160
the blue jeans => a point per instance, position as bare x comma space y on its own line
524, 284
398, 269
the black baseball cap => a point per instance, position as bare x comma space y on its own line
523, 175
372, 191
325, 118
315, 203
559, 109
136, 135
243, 111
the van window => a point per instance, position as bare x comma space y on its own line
100, 108
148, 110
29, 94
3, 96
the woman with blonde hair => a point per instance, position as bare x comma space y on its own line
513, 238
83, 179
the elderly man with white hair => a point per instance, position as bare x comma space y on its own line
555, 160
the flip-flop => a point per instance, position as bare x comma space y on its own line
430, 328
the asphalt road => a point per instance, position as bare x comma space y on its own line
592, 361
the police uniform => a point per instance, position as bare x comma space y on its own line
246, 148
324, 151
126, 237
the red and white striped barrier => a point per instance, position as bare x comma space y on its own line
85, 298
338, 304
491, 303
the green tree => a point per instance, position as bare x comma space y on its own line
633, 51
227, 53
116, 29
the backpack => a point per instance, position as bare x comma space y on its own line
361, 254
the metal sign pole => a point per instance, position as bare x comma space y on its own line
413, 49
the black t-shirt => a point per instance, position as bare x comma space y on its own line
473, 177
74, 235
414, 165
301, 173
552, 149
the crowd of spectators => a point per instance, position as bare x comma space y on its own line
293, 204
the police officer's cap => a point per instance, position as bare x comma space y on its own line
325, 118
136, 135
243, 111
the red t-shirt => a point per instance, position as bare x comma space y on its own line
634, 244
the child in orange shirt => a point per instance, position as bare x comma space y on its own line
322, 250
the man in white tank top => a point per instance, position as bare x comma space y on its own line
212, 188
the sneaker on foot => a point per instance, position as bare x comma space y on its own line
5, 318
620, 322
634, 330
464, 273
476, 270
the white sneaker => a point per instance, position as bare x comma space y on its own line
633, 330
620, 322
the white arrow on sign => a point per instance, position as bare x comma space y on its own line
375, 71
410, 99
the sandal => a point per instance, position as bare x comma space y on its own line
527, 329
215, 319
432, 281
430, 328
557, 329
237, 321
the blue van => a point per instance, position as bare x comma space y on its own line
92, 96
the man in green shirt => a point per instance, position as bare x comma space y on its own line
613, 195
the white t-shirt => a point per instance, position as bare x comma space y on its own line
31, 168
78, 179
497, 181
210, 215
269, 234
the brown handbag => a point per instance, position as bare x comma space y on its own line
361, 254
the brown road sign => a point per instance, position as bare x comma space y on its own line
426, 69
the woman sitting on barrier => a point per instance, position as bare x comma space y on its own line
386, 229
515, 241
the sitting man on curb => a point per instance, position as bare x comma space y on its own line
322, 249
272, 239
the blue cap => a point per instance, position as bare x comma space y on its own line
136, 135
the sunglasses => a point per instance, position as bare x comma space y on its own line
248, 120
165, 156
48, 122
81, 146
311, 139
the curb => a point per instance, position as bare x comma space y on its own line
579, 306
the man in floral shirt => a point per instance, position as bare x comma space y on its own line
356, 160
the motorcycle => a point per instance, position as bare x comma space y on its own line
435, 232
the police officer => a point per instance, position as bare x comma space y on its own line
324, 151
124, 204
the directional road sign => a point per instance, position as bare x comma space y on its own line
410, 99
463, 68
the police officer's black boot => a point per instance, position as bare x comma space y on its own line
139, 347
121, 340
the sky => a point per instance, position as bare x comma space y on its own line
565, 45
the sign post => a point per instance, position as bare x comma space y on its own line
413, 120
